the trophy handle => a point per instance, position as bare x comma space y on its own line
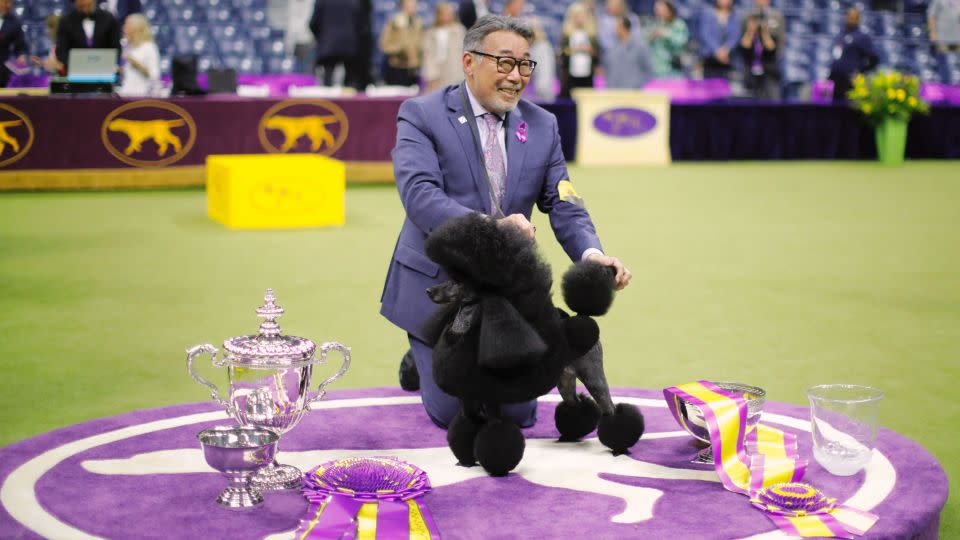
326, 347
194, 352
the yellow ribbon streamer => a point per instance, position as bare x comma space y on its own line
418, 526
367, 522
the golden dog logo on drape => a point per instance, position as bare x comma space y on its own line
16, 134
149, 133
303, 125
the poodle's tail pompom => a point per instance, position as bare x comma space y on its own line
576, 419
499, 447
622, 429
588, 288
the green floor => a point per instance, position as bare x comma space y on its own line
781, 275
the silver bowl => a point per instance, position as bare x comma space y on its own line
238, 452
697, 426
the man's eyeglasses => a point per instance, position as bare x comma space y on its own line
505, 64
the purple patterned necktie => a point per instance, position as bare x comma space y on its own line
493, 157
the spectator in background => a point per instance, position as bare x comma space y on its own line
120, 9
12, 40
943, 19
86, 26
443, 49
49, 63
141, 71
541, 51
719, 31
760, 52
628, 63
514, 8
608, 22
853, 53
342, 31
668, 38
773, 20
579, 49
400, 41
470, 10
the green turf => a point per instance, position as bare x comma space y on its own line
782, 275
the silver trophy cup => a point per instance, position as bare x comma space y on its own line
695, 424
237, 452
270, 379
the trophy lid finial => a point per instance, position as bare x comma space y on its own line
269, 311
269, 348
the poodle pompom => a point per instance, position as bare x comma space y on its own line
499, 447
582, 333
460, 436
576, 420
588, 288
622, 429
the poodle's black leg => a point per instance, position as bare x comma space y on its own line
499, 444
462, 432
473, 409
621, 426
575, 416
589, 368
568, 385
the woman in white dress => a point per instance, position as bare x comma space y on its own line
141, 70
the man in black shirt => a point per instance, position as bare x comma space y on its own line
853, 52
87, 26
12, 42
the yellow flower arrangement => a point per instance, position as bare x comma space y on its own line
887, 94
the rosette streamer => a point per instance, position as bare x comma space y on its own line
765, 465
366, 498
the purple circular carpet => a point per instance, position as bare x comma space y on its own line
141, 475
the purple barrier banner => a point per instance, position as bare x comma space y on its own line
108, 132
934, 93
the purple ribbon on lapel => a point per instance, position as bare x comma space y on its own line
522, 132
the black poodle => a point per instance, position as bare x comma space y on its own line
497, 339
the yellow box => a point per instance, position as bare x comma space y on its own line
275, 191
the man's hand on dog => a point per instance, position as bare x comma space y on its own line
623, 275
519, 221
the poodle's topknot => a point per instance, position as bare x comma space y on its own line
588, 288
478, 251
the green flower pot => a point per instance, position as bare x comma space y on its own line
891, 141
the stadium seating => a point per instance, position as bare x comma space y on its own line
234, 33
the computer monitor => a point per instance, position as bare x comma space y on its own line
92, 65
222, 81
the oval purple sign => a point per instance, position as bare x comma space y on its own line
624, 122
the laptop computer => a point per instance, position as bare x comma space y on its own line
92, 65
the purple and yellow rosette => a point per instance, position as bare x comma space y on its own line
804, 510
764, 464
366, 498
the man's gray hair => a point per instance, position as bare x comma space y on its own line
489, 24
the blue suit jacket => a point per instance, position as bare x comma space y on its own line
439, 175
857, 53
